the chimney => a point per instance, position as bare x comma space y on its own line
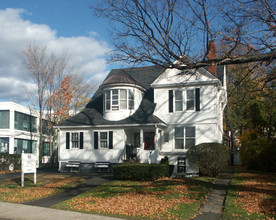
212, 55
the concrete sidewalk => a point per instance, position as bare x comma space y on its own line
15, 211
213, 206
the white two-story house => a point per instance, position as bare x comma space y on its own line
145, 114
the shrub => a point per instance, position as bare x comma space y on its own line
7, 159
140, 171
210, 158
258, 152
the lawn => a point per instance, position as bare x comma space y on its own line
251, 195
47, 185
161, 199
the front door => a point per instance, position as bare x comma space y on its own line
149, 142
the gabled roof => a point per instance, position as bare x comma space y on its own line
92, 114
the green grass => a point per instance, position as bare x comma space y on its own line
191, 191
47, 185
234, 209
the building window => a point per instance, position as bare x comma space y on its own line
46, 149
24, 122
178, 100
26, 146
4, 145
181, 165
184, 137
190, 99
166, 137
4, 119
118, 99
74, 140
103, 139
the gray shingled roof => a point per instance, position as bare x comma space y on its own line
92, 114
120, 77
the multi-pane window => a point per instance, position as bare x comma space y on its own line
4, 119
26, 146
24, 122
178, 100
116, 99
4, 145
186, 99
130, 100
184, 137
75, 140
190, 99
123, 99
103, 140
46, 149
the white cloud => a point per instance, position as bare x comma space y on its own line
86, 53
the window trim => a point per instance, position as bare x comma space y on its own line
100, 140
97, 140
172, 100
69, 140
189, 99
176, 100
111, 99
184, 138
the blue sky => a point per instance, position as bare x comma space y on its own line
61, 25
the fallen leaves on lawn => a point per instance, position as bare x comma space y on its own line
257, 194
144, 203
52, 184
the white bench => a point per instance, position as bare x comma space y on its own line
104, 165
73, 164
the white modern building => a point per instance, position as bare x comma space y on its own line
19, 130
146, 113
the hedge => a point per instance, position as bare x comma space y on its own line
210, 158
140, 171
9, 159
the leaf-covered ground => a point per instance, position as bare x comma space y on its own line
47, 185
161, 199
251, 196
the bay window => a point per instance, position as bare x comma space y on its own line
118, 99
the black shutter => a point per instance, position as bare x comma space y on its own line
197, 93
67, 140
95, 140
81, 140
111, 140
170, 100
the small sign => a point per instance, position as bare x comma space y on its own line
28, 165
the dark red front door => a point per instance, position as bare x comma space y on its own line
149, 141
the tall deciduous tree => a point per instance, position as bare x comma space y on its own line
163, 32
58, 86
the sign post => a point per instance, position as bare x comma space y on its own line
28, 165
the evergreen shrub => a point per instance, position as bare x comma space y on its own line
9, 159
140, 171
210, 158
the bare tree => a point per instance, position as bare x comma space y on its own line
55, 82
166, 32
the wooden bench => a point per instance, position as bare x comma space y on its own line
104, 165
73, 165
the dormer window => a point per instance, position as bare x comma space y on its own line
118, 99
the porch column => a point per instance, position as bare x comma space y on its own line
141, 139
